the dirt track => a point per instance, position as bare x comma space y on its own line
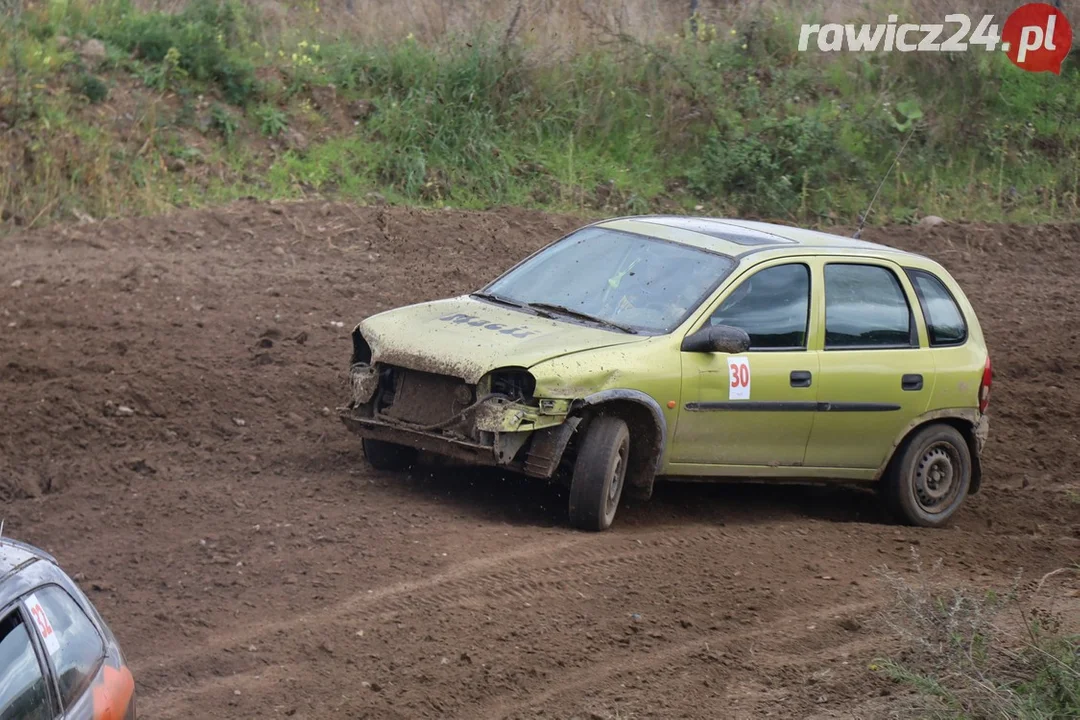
167, 387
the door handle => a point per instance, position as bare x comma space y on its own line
801, 378
911, 382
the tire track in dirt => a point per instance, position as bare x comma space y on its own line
571, 684
475, 583
479, 578
455, 577
575, 682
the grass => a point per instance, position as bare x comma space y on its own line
727, 118
973, 655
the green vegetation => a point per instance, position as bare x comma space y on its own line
973, 655
99, 101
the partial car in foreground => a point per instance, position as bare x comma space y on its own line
58, 658
689, 348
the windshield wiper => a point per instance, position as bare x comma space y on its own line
562, 310
498, 299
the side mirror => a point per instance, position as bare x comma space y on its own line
717, 338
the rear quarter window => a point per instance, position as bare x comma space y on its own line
945, 322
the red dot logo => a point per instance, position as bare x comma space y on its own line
1037, 37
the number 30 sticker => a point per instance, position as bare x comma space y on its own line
739, 376
45, 628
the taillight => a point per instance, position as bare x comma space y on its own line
984, 386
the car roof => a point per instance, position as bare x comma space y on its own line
738, 237
15, 555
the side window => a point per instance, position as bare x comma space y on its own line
772, 306
72, 641
944, 321
23, 691
865, 307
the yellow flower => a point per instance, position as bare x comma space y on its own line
315, 47
744, 46
303, 44
733, 32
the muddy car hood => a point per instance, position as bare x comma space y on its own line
467, 338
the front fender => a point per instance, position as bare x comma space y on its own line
648, 430
640, 398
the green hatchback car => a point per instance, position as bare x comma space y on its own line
689, 348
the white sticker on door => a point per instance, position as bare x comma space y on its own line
738, 378
45, 628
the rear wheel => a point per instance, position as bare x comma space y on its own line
929, 480
599, 474
388, 456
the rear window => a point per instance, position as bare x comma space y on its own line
944, 321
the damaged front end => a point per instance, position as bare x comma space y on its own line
497, 421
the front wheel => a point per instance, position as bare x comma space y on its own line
599, 474
929, 480
388, 456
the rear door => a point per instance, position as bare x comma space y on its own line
757, 408
876, 372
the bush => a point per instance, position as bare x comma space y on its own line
767, 169
200, 41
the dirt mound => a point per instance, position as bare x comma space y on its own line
168, 390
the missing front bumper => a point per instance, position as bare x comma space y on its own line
534, 453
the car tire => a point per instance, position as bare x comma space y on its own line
388, 456
599, 474
929, 478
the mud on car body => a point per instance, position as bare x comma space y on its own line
689, 348
58, 658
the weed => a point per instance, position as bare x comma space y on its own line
982, 654
91, 87
224, 121
272, 122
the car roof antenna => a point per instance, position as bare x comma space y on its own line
862, 218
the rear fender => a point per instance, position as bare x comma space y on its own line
966, 420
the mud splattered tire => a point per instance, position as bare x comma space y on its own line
930, 477
599, 474
388, 456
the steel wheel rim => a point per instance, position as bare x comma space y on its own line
618, 475
937, 477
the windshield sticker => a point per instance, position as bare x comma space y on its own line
474, 321
45, 628
739, 376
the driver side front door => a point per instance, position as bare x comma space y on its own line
757, 408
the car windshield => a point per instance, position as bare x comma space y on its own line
619, 279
